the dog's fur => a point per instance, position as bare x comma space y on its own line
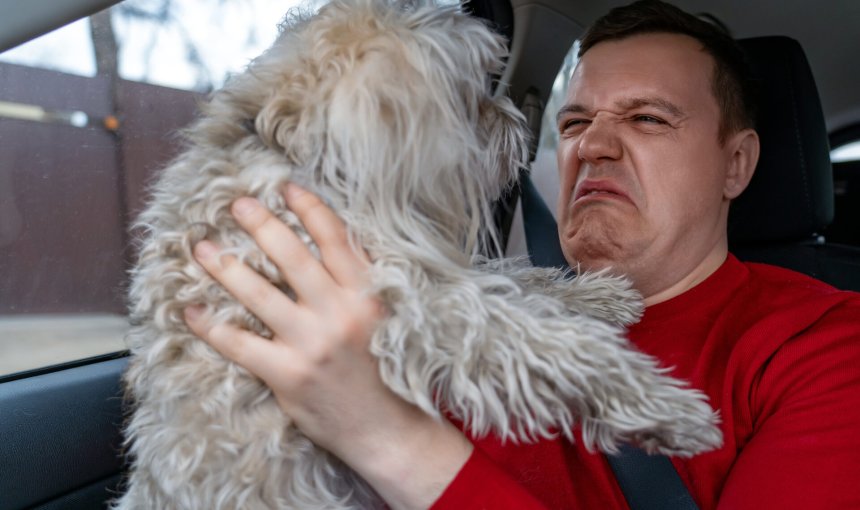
383, 108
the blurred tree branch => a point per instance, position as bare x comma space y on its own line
104, 44
164, 19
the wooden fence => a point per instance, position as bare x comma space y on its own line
67, 193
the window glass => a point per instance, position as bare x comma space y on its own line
188, 44
193, 44
847, 152
845, 227
68, 49
87, 114
544, 169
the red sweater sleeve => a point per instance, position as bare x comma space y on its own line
805, 449
480, 484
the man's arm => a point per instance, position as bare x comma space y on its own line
480, 484
805, 449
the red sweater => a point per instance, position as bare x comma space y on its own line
777, 352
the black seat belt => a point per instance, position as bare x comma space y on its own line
649, 482
540, 226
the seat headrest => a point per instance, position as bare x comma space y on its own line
790, 196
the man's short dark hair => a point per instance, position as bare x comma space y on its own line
731, 83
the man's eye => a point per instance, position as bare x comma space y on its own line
648, 119
571, 124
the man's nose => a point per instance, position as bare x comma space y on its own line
599, 142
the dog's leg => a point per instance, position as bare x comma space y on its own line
599, 295
524, 366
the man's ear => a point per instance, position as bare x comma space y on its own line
744, 147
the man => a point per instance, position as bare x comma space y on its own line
655, 141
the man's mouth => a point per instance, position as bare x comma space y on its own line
599, 189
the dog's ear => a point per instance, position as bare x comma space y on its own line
282, 88
292, 122
505, 133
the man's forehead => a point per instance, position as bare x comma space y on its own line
667, 70
648, 54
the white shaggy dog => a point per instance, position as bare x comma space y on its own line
383, 108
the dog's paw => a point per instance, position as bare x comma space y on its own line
672, 420
599, 295
693, 428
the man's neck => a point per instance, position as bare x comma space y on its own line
700, 273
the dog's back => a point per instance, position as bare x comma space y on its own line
381, 107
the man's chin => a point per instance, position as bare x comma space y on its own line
593, 254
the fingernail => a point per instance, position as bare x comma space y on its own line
244, 206
294, 191
194, 312
205, 250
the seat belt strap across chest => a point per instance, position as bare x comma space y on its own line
649, 482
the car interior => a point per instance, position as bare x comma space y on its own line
60, 439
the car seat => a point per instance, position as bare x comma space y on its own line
781, 216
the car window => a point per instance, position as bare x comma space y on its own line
846, 152
87, 114
845, 156
544, 169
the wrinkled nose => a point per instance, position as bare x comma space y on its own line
599, 142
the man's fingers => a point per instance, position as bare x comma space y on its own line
347, 267
305, 274
261, 357
252, 290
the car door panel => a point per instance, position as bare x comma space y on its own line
60, 439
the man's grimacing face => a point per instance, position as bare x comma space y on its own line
642, 170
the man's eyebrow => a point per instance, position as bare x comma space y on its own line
627, 104
655, 102
571, 108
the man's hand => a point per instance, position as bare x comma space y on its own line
320, 339
318, 364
